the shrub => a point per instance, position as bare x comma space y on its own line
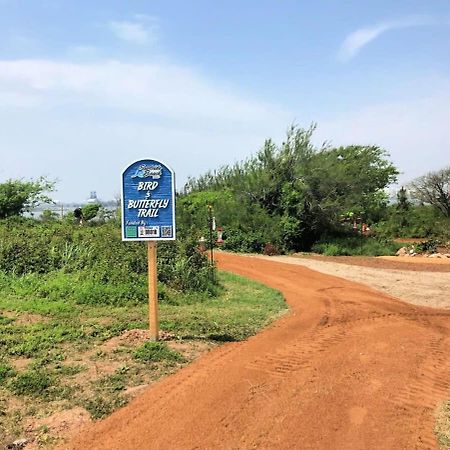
417, 222
244, 241
355, 245
99, 257
101, 406
155, 352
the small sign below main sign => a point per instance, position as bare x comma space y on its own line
148, 202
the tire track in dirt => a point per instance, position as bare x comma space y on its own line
347, 368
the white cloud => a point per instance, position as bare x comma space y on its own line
142, 30
164, 90
358, 39
64, 119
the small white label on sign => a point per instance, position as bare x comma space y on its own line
148, 232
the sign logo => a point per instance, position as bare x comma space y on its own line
148, 202
146, 171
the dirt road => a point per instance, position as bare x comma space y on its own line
424, 283
348, 368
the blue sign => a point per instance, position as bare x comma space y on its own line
148, 202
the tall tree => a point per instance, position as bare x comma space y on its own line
434, 189
403, 206
306, 189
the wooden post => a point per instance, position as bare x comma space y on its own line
152, 291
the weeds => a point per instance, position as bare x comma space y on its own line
6, 371
112, 271
157, 351
33, 382
101, 406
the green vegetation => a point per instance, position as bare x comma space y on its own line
71, 290
355, 246
293, 194
6, 371
418, 221
92, 265
69, 296
101, 406
155, 352
296, 196
245, 308
51, 338
32, 382
18, 196
90, 211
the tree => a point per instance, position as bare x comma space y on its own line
303, 189
402, 207
434, 189
19, 196
90, 211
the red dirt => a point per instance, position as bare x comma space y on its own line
347, 368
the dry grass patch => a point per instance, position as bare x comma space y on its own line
442, 428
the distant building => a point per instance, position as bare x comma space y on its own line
93, 198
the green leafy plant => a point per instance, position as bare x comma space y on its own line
6, 371
33, 383
156, 352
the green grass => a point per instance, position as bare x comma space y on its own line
239, 311
243, 309
33, 382
155, 352
6, 371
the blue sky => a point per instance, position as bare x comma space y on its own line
88, 87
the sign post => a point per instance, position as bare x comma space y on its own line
148, 214
152, 291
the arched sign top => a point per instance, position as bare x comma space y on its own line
148, 201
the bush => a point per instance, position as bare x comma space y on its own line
155, 352
355, 245
244, 241
100, 259
417, 222
328, 249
